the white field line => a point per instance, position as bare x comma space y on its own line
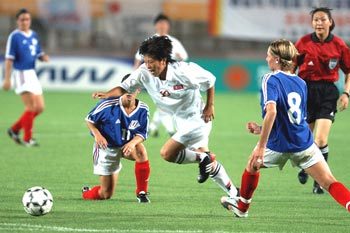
37, 228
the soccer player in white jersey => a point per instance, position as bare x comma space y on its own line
175, 88
162, 27
22, 50
119, 126
284, 134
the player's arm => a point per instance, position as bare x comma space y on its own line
130, 146
8, 70
343, 101
99, 139
208, 111
115, 92
258, 153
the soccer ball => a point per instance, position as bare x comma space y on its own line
37, 201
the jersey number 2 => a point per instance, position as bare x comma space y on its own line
294, 111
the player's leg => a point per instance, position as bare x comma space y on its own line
321, 131
142, 173
155, 123
107, 166
103, 191
176, 152
322, 174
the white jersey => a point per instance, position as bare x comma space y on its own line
179, 94
178, 53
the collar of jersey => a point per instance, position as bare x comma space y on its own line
315, 39
133, 112
29, 34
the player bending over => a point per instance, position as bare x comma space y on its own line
284, 133
119, 126
175, 88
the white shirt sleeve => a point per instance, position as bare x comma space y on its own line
138, 56
198, 76
133, 81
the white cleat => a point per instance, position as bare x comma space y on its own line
232, 205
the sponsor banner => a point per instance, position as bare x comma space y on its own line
270, 19
81, 73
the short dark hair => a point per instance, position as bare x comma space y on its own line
157, 47
326, 10
125, 77
21, 11
161, 17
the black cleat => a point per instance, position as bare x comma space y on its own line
85, 189
155, 133
317, 189
303, 177
14, 136
204, 169
142, 197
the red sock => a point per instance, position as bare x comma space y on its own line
142, 172
341, 194
92, 194
27, 120
248, 185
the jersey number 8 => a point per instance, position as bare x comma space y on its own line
294, 111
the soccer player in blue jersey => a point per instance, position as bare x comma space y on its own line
119, 126
284, 134
22, 50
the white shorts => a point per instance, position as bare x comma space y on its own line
303, 159
106, 161
192, 132
26, 81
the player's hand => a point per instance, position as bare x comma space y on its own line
44, 58
253, 128
343, 102
256, 159
100, 95
128, 148
6, 84
101, 142
208, 113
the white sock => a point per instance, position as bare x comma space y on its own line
189, 156
219, 175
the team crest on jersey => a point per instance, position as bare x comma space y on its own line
164, 93
178, 87
332, 63
134, 124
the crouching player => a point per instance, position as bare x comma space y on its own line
119, 126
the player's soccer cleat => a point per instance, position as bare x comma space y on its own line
31, 143
85, 189
232, 205
303, 177
14, 136
142, 197
317, 189
204, 169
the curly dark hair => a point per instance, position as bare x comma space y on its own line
157, 47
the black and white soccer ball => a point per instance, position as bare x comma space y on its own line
37, 201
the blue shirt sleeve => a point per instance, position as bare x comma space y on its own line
269, 90
97, 114
143, 129
11, 47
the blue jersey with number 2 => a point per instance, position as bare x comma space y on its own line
290, 132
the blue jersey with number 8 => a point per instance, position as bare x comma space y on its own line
290, 131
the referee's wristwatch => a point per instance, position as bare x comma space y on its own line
346, 93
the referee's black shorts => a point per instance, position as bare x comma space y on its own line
321, 100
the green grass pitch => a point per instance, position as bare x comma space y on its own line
63, 164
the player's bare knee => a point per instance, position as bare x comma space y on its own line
166, 155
